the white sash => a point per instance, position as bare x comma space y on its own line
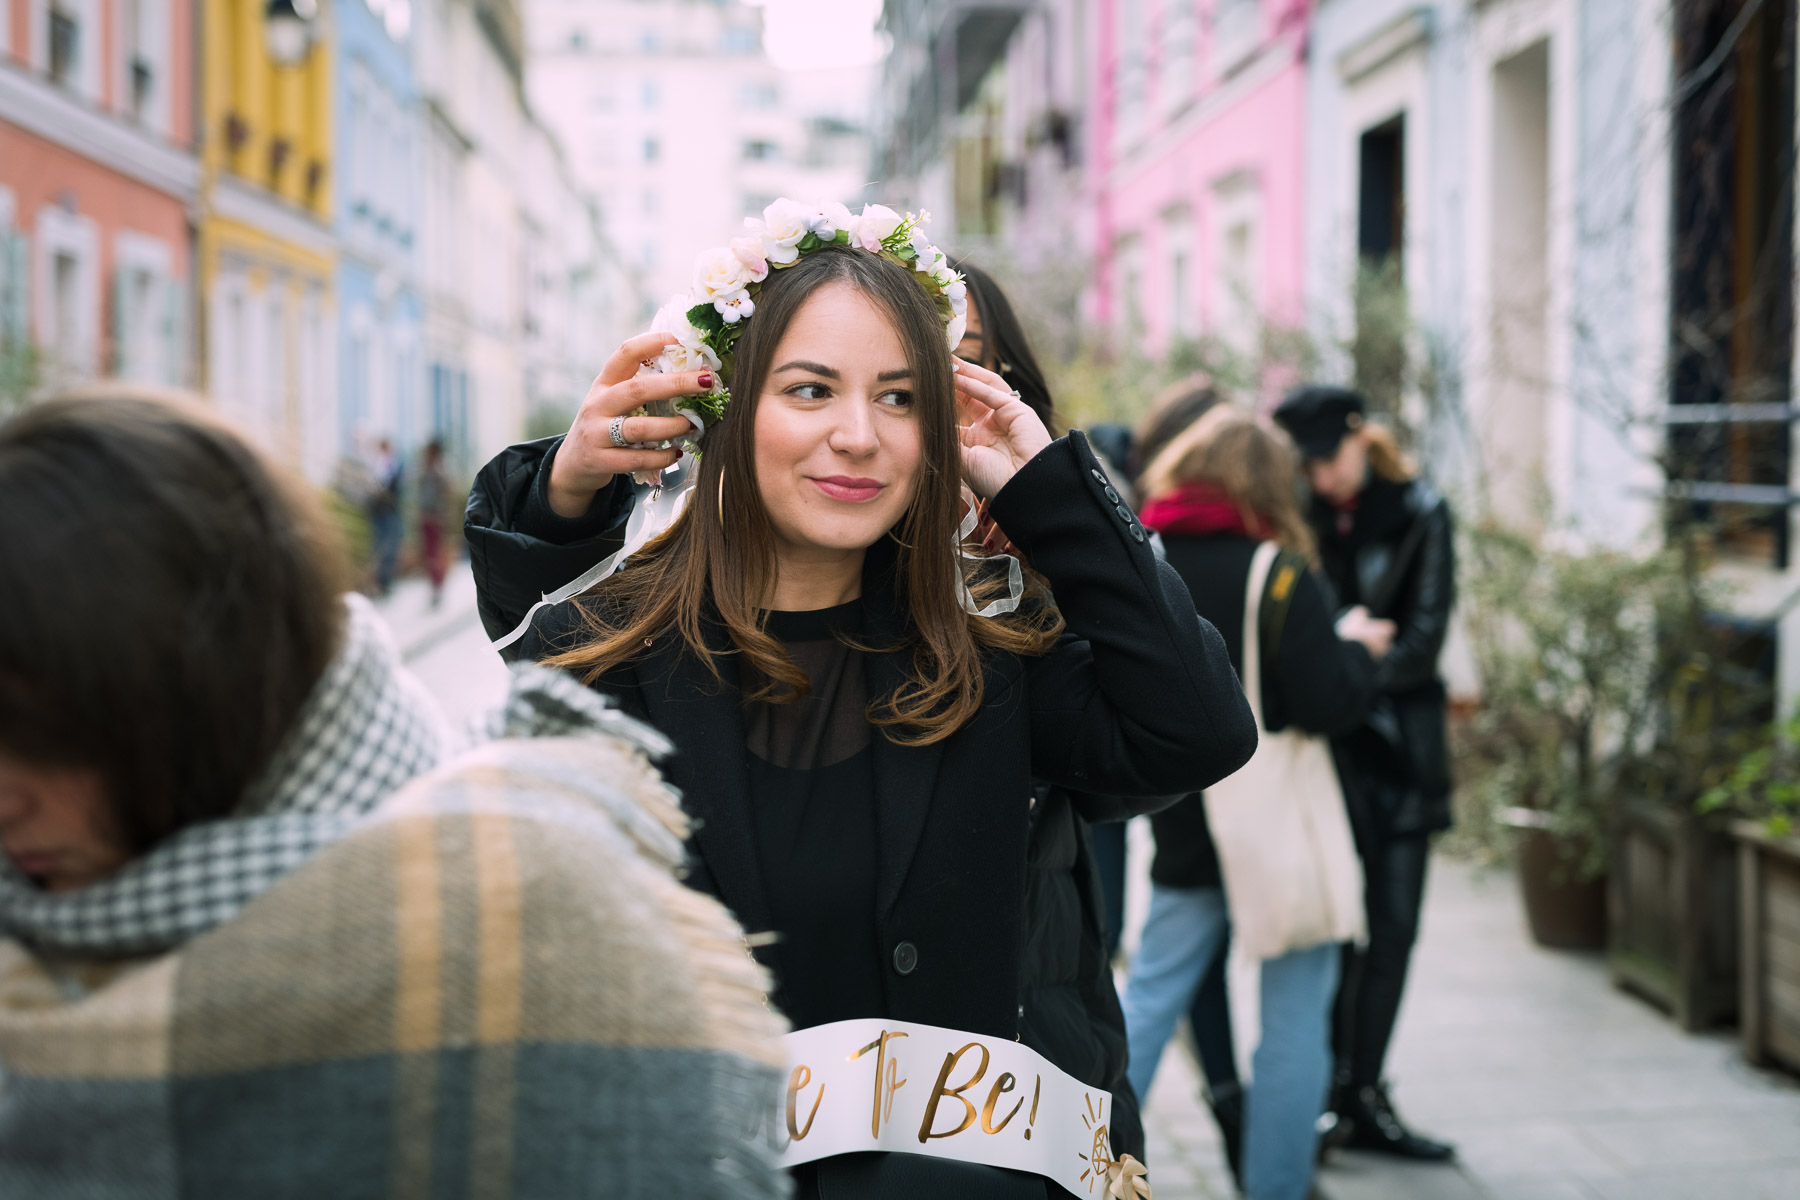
919, 1089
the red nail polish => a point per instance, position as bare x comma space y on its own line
706, 379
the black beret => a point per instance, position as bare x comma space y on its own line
1317, 418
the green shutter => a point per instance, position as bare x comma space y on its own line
15, 288
174, 332
121, 321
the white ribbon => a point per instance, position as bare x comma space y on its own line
649, 517
1015, 575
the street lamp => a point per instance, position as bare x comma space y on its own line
288, 26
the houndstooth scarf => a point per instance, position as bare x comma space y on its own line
367, 728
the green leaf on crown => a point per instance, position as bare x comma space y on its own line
705, 317
843, 237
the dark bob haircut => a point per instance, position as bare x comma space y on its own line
169, 599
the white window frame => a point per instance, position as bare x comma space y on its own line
154, 18
1235, 307
152, 357
59, 232
88, 69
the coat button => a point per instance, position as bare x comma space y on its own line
1112, 495
1124, 513
1098, 474
906, 958
1137, 533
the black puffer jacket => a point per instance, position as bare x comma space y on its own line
1395, 553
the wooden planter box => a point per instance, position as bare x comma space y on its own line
1769, 878
1672, 907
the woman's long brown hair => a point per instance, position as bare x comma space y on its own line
1253, 461
706, 571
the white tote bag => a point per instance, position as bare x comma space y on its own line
1292, 877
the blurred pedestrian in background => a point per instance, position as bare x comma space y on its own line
1172, 412
434, 506
1218, 492
1386, 543
234, 962
383, 508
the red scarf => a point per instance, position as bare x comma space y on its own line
1201, 509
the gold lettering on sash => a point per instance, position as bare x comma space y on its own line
1032, 1119
880, 1112
799, 1079
955, 1093
1001, 1085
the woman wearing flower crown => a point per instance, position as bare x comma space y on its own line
858, 705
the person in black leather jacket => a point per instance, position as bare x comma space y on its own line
1386, 542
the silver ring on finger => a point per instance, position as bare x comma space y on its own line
1015, 394
615, 429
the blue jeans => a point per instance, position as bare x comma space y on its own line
1292, 1065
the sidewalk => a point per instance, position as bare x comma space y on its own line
1554, 1085
446, 646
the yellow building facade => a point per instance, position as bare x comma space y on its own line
267, 254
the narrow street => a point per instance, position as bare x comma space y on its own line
1553, 1085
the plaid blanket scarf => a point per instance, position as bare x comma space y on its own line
366, 729
491, 985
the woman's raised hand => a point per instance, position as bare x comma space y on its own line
1000, 432
588, 459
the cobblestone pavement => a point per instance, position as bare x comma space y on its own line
1554, 1085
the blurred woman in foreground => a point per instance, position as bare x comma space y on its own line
253, 941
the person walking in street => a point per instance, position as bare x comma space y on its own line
857, 741
383, 509
1386, 542
260, 937
1222, 496
434, 507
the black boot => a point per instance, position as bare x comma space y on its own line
1373, 1125
1227, 1104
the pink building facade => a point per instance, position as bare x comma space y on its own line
1195, 175
98, 180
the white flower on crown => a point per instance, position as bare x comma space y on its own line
953, 332
958, 294
688, 352
782, 226
721, 271
735, 306
876, 224
824, 220
921, 241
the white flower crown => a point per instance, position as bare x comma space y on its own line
708, 319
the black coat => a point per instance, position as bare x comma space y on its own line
1398, 557
1068, 1007
1138, 702
1311, 679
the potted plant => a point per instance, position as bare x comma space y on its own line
1762, 795
1567, 642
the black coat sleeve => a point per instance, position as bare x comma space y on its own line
1139, 697
1423, 616
1325, 683
519, 548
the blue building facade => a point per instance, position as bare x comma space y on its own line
379, 118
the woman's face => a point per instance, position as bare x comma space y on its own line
1339, 479
973, 347
55, 825
838, 444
